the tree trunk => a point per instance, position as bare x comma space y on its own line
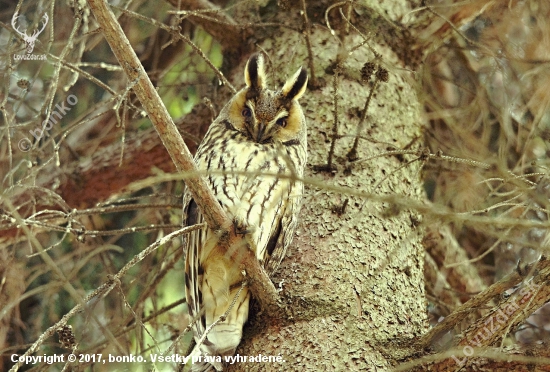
352, 281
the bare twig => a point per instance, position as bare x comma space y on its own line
178, 35
102, 291
352, 154
329, 167
307, 33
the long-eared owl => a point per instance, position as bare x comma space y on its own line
256, 150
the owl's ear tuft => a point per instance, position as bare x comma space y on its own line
295, 87
254, 72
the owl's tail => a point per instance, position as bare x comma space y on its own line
224, 305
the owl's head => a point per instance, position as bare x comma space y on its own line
266, 116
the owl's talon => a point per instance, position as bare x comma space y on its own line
240, 228
241, 231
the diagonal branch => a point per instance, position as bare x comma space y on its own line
542, 275
214, 215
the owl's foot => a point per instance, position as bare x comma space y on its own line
241, 228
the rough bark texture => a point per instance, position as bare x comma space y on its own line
353, 282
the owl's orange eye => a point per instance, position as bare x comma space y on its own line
282, 122
246, 112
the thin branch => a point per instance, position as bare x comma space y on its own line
329, 167
352, 154
103, 290
178, 35
307, 33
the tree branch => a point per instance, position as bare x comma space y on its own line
214, 215
542, 275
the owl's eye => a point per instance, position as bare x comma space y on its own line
246, 112
282, 122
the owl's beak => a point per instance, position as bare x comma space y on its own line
260, 132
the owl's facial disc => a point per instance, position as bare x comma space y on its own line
268, 117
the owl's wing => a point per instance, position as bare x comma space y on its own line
283, 231
193, 272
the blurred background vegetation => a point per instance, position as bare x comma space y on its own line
82, 201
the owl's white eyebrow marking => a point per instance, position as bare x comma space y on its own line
281, 114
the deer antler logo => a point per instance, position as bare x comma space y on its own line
29, 40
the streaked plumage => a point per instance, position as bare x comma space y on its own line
259, 131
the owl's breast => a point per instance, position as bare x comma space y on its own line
246, 179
